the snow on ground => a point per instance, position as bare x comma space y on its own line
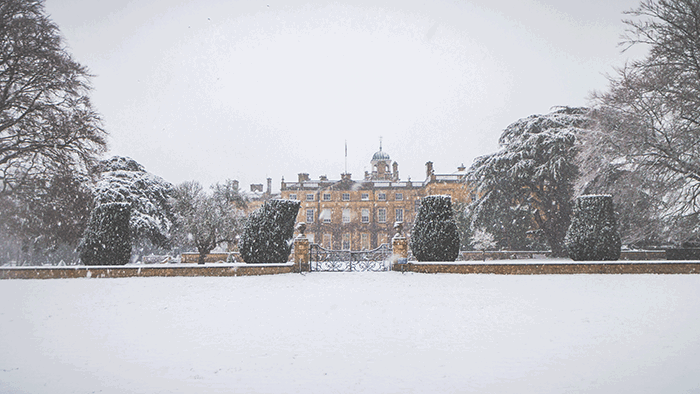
352, 333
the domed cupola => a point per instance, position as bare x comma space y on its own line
381, 166
380, 156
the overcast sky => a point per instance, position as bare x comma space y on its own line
210, 90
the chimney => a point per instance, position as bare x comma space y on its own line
345, 177
256, 187
461, 168
269, 186
395, 172
303, 177
235, 184
429, 170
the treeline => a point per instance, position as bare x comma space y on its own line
638, 141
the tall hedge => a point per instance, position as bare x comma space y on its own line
434, 236
593, 233
267, 236
107, 238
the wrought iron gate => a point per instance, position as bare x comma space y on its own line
326, 260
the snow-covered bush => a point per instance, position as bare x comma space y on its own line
593, 233
483, 240
434, 236
107, 238
267, 237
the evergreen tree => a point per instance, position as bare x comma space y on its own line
107, 238
434, 236
593, 232
122, 179
525, 189
267, 237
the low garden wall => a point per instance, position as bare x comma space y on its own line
127, 271
553, 268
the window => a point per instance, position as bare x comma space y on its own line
346, 196
310, 215
327, 239
364, 241
365, 216
346, 215
399, 214
364, 197
381, 239
292, 196
309, 197
381, 215
325, 215
399, 196
346, 241
381, 197
326, 196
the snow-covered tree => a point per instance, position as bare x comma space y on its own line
107, 238
525, 189
206, 220
47, 124
593, 234
268, 233
43, 224
434, 236
644, 150
122, 179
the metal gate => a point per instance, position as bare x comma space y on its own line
326, 260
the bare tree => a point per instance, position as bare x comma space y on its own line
47, 123
206, 220
646, 146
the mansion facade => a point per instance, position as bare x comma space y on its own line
349, 214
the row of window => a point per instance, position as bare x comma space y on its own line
346, 241
346, 197
347, 215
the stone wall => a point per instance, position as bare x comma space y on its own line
551, 268
145, 271
636, 255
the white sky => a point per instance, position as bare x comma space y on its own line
247, 90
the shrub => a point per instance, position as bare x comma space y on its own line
268, 232
107, 238
434, 236
593, 233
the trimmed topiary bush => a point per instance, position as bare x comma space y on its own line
107, 238
593, 233
434, 236
269, 231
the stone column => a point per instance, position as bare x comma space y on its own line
399, 246
301, 250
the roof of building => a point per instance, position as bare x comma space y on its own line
380, 155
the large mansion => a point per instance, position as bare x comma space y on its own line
360, 214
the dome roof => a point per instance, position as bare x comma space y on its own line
380, 155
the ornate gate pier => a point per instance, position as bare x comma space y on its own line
326, 260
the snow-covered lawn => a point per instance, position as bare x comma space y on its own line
352, 332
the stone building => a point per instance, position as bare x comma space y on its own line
360, 214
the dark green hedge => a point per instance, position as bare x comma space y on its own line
267, 237
107, 238
593, 233
434, 236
